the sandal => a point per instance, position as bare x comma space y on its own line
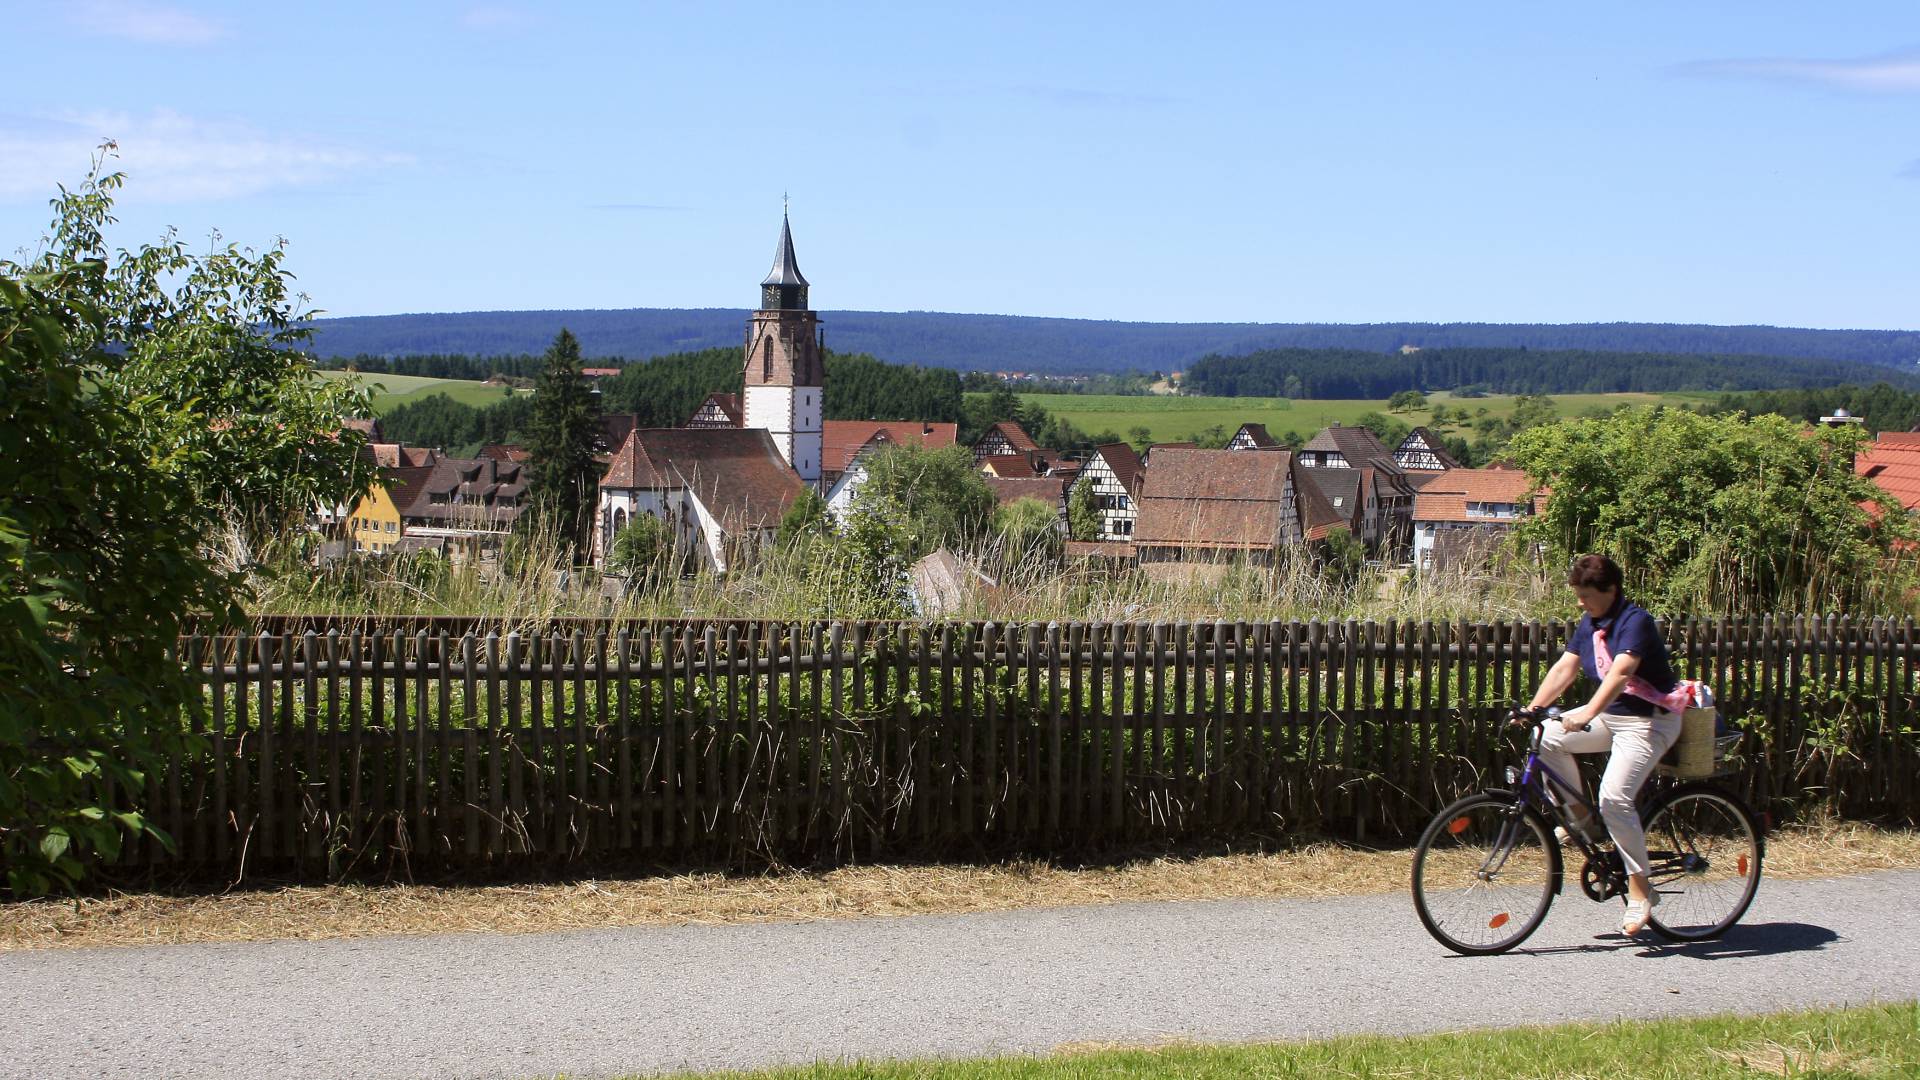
1638, 914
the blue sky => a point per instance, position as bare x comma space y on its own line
1723, 163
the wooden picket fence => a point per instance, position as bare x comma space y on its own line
323, 749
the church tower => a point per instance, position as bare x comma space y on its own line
786, 377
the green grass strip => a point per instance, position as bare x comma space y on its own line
1827, 1044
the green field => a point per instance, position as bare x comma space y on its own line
394, 390
1176, 419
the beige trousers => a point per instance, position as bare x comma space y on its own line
1637, 742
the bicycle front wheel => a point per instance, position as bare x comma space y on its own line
1704, 849
1483, 874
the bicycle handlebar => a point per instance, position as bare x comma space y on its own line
1533, 716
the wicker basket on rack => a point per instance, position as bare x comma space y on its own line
1694, 755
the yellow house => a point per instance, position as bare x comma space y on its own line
375, 526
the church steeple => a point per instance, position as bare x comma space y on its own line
785, 375
785, 289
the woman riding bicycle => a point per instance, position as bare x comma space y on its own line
1635, 713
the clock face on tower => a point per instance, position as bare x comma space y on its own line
769, 298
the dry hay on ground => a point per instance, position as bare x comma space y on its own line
344, 911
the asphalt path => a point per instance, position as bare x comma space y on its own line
608, 1002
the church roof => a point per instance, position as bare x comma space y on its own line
737, 473
786, 268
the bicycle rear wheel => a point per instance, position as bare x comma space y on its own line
1704, 849
1483, 875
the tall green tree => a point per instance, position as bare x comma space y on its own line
939, 494
561, 489
1083, 516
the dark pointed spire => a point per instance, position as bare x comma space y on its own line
786, 268
785, 289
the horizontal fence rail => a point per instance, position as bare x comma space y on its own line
321, 750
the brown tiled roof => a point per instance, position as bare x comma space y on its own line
1317, 514
1213, 499
1047, 489
1257, 433
842, 440
1432, 444
1125, 463
395, 456
1446, 498
469, 490
1345, 492
614, 428
505, 452
728, 404
1094, 549
737, 473
405, 484
1419, 479
368, 426
1009, 465
1356, 443
1015, 434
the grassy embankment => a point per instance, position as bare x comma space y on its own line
1871, 1041
1174, 419
396, 390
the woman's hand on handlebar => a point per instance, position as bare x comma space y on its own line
1522, 715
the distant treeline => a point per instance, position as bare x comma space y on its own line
1880, 406
663, 392
1352, 373
1069, 346
442, 365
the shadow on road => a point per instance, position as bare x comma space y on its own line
1758, 939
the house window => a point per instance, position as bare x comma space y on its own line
391, 526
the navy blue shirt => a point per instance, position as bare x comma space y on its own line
1629, 629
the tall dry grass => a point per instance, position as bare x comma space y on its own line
808, 582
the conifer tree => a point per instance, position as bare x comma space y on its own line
560, 441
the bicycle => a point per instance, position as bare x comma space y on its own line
1489, 865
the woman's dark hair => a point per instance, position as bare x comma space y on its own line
1594, 572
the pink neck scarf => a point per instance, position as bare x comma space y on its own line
1679, 700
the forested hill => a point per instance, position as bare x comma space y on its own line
1350, 373
1069, 346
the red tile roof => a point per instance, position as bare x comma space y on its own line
842, 440
1446, 497
1893, 462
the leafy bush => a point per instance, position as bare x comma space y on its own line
149, 404
1718, 513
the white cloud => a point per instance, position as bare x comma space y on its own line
1895, 72
169, 157
140, 21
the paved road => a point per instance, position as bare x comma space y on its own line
594, 1003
